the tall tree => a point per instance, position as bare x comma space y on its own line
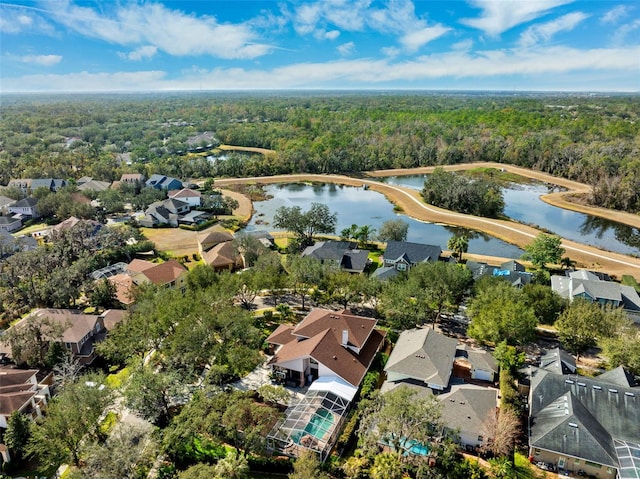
544, 249
72, 417
498, 312
304, 273
458, 245
400, 418
393, 230
583, 322
503, 429
307, 466
16, 436
318, 219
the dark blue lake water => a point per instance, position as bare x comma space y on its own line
523, 204
365, 207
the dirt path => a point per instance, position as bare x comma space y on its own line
251, 149
521, 235
559, 199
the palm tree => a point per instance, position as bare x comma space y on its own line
364, 234
458, 245
567, 262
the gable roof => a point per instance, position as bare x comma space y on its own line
164, 273
13, 376
479, 358
221, 255
423, 354
467, 407
184, 193
385, 273
566, 426
355, 260
29, 202
212, 238
319, 336
591, 414
413, 253
76, 324
558, 361
358, 327
328, 250
94, 185
618, 376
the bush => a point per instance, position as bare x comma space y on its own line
277, 465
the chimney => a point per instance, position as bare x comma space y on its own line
345, 337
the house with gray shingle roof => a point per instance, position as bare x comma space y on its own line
403, 255
341, 253
162, 182
586, 285
510, 271
424, 356
584, 424
558, 361
468, 410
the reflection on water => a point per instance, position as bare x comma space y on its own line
523, 204
366, 207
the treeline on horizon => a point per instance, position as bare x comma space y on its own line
592, 139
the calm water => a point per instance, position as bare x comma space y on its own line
523, 204
366, 207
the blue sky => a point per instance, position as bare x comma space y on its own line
68, 45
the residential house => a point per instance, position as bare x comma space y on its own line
475, 364
585, 425
5, 202
23, 184
331, 350
511, 271
9, 224
558, 361
52, 184
166, 212
162, 182
468, 411
218, 251
189, 196
10, 244
325, 343
136, 179
25, 208
588, 286
23, 390
264, 237
426, 361
87, 183
169, 274
339, 253
80, 331
403, 255
421, 356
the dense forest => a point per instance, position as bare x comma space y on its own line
593, 139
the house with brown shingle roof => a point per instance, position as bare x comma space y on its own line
21, 390
325, 344
170, 274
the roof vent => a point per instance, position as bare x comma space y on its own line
568, 381
573, 424
597, 388
615, 391
335, 357
627, 393
582, 384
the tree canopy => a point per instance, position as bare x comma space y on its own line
543, 250
305, 225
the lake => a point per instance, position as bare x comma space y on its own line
366, 207
523, 204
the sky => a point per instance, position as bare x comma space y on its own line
506, 45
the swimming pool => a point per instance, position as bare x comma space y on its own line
319, 424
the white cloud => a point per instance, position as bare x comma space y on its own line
616, 66
43, 60
616, 14
544, 31
396, 18
501, 15
15, 19
346, 49
171, 31
416, 39
620, 35
332, 35
390, 52
463, 45
141, 53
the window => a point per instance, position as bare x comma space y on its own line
536, 452
401, 266
480, 439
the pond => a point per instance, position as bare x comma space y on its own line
366, 207
523, 204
